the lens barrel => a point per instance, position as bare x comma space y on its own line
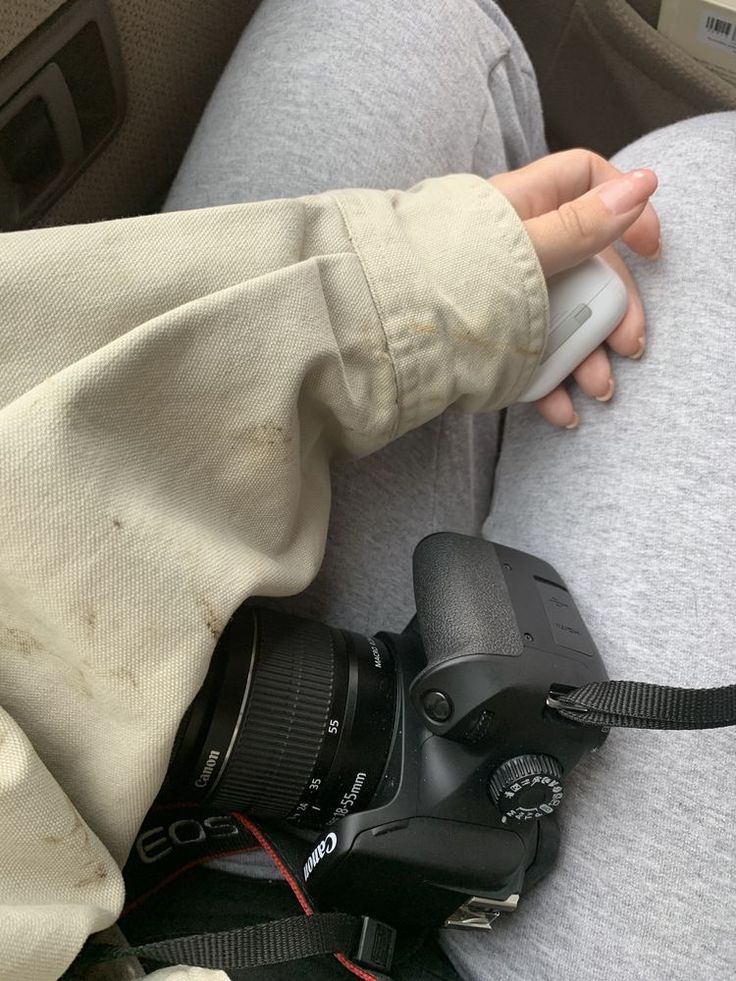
294, 720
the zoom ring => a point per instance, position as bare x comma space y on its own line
286, 717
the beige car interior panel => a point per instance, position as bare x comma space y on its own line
173, 52
606, 75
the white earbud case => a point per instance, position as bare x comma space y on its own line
585, 305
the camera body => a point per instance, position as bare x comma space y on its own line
429, 761
463, 820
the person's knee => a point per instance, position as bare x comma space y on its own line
336, 93
705, 143
695, 161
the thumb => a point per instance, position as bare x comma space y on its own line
583, 227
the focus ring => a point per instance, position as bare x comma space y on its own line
284, 724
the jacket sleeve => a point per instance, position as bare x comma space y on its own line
172, 391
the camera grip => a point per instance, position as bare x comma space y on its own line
463, 603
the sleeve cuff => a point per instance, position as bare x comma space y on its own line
459, 291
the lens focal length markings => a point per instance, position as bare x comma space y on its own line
348, 802
295, 720
309, 812
347, 775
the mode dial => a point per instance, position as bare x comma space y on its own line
527, 787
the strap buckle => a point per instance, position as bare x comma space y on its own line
376, 945
554, 700
480, 913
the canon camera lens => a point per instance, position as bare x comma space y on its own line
294, 720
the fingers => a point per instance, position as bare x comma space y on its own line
557, 409
587, 225
546, 184
594, 376
575, 205
628, 339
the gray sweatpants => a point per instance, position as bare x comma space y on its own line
636, 509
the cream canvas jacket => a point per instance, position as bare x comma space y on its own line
172, 391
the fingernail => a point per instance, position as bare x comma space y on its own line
574, 423
656, 254
608, 394
624, 193
642, 345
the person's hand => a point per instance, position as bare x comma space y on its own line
575, 205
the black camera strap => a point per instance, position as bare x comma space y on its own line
170, 888
274, 942
637, 705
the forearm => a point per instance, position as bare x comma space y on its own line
173, 389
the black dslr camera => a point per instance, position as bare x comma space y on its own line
429, 761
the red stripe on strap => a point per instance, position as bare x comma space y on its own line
297, 890
269, 849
